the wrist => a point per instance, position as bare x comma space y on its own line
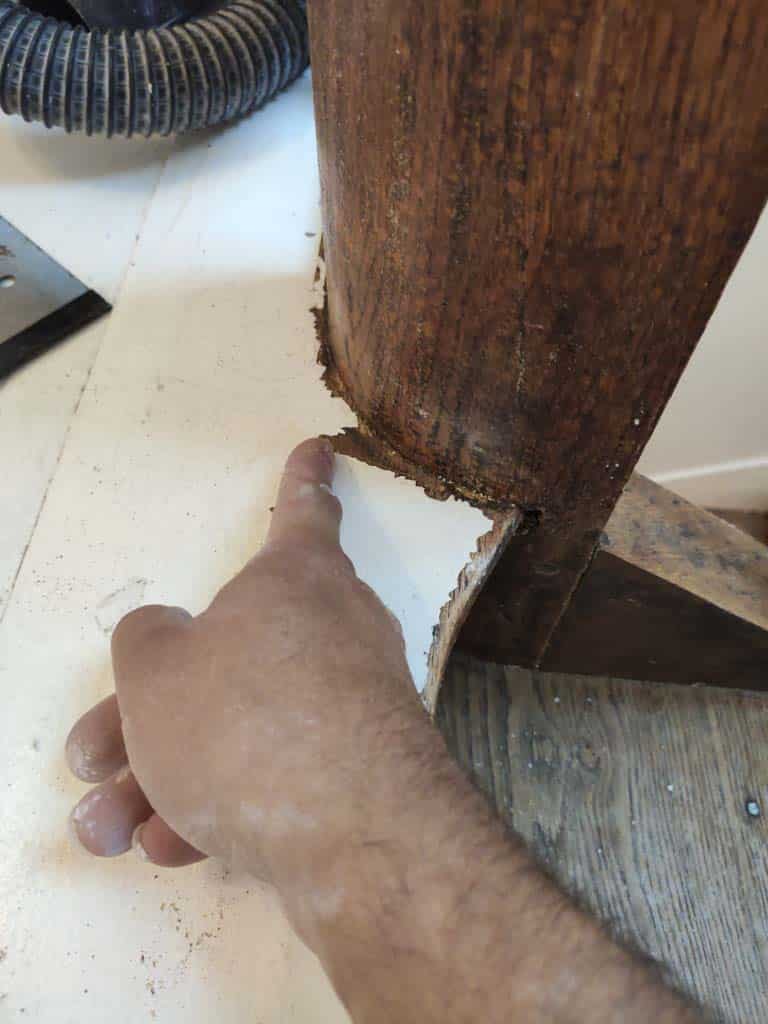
408, 899
350, 817
402, 827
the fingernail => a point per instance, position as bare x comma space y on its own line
74, 835
136, 844
83, 807
123, 775
83, 763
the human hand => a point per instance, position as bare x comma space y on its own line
281, 731
253, 731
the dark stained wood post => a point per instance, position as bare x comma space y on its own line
530, 211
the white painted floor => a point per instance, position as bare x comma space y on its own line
139, 461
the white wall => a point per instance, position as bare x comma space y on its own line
711, 444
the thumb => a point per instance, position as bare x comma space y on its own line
306, 511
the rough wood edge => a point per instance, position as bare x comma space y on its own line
657, 531
362, 442
454, 612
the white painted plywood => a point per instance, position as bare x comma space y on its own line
83, 201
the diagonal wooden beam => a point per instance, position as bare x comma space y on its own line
673, 594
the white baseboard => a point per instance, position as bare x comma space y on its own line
741, 484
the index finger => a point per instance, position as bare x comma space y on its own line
306, 510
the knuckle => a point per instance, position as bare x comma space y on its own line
147, 621
344, 563
306, 559
334, 507
316, 558
319, 495
137, 620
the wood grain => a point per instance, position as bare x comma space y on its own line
659, 532
530, 212
635, 796
673, 594
628, 622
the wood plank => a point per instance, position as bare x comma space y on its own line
629, 622
673, 594
529, 216
471, 581
659, 532
84, 205
635, 797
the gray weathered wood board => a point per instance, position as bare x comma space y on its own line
634, 795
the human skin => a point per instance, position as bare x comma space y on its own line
280, 731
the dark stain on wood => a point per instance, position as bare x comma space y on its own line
624, 621
525, 598
529, 216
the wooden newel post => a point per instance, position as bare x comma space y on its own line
530, 211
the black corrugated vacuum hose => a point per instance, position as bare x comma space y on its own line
203, 72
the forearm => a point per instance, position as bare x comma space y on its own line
432, 913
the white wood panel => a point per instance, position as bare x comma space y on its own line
83, 201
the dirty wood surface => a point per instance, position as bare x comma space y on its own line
667, 577
673, 594
637, 797
656, 530
529, 212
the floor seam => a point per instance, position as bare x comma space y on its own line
76, 408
